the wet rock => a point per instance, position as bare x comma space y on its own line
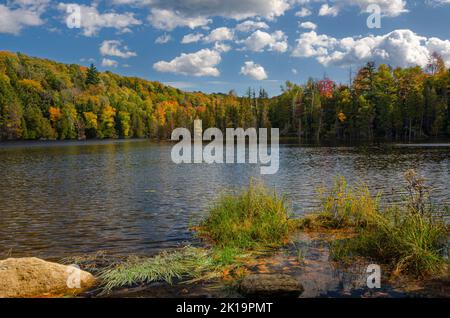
33, 277
270, 285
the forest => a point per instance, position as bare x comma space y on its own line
45, 100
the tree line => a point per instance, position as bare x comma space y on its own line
42, 99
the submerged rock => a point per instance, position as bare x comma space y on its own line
33, 277
265, 285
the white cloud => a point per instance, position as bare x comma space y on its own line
169, 20
308, 25
326, 10
398, 48
220, 34
391, 8
221, 47
260, 40
109, 63
113, 48
163, 39
201, 63
294, 71
92, 21
249, 26
170, 14
192, 38
19, 14
440, 46
254, 71
304, 12
310, 44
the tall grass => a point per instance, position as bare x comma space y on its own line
255, 217
252, 218
411, 238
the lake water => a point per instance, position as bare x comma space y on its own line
67, 198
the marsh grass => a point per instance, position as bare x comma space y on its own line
254, 217
165, 267
411, 238
239, 226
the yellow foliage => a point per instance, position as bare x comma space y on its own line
31, 84
342, 118
91, 120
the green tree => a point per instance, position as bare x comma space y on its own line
92, 76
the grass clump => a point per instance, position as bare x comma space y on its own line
343, 207
168, 266
237, 225
411, 238
255, 217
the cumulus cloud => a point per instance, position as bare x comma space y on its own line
168, 20
391, 8
259, 41
115, 48
308, 25
170, 14
249, 26
398, 48
304, 12
221, 47
92, 21
109, 63
254, 71
220, 34
201, 63
192, 38
326, 10
16, 15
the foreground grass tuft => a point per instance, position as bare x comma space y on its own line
256, 217
168, 266
411, 238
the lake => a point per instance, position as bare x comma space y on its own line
127, 197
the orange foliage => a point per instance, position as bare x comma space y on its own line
55, 114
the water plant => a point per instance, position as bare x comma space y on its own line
237, 225
254, 217
410, 238
189, 262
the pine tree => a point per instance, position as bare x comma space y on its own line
92, 76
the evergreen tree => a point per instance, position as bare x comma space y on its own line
92, 77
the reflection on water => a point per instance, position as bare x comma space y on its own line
67, 198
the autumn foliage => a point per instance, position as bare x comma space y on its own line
42, 99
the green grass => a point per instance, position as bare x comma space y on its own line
255, 217
343, 207
168, 266
237, 225
411, 238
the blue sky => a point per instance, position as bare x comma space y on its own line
239, 43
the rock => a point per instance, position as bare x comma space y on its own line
33, 277
270, 285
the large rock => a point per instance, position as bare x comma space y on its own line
33, 277
270, 285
